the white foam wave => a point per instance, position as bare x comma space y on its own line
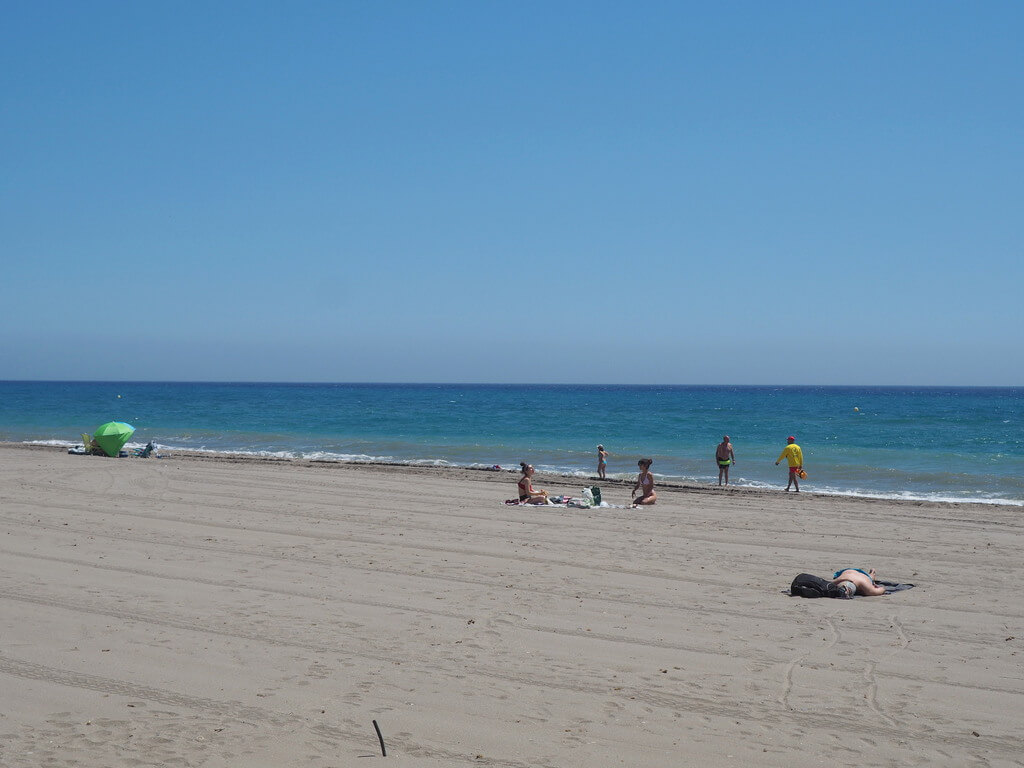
940, 498
353, 458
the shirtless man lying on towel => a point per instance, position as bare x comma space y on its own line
854, 581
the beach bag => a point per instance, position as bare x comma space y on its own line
597, 495
806, 585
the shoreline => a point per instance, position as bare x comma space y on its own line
502, 477
883, 443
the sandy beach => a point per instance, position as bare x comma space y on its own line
199, 611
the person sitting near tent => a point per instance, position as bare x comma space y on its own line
854, 581
527, 493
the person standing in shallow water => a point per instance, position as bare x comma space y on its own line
602, 461
795, 457
724, 457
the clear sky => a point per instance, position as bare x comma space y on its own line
642, 192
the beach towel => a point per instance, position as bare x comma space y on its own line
570, 503
891, 586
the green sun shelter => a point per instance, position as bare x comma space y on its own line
112, 436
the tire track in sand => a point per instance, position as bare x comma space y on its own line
787, 680
870, 676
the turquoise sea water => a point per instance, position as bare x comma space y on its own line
961, 444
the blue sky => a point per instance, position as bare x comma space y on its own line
790, 193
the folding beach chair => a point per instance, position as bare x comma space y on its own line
143, 453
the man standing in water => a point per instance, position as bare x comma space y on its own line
725, 458
795, 457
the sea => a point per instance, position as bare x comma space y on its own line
925, 443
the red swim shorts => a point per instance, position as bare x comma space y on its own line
794, 470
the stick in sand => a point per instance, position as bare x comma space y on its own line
383, 752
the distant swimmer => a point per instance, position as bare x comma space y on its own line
724, 457
602, 461
792, 454
644, 484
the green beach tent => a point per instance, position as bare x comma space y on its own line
112, 436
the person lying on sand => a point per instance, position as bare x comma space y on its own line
644, 484
854, 581
527, 493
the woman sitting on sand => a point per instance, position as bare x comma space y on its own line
527, 493
644, 484
854, 581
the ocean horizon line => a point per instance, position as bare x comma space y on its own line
596, 385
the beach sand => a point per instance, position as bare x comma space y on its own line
196, 611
